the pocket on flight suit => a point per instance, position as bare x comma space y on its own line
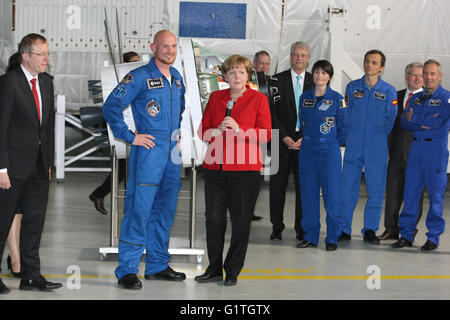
150, 166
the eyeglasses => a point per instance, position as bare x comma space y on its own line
415, 75
46, 54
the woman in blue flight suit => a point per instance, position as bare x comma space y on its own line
323, 117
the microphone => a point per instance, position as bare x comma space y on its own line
230, 105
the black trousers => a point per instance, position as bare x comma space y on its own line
288, 160
235, 191
31, 194
395, 186
105, 188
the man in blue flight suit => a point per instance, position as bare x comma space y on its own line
428, 118
156, 94
372, 107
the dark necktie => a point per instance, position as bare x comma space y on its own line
407, 101
36, 97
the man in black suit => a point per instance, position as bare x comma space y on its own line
399, 141
291, 84
27, 121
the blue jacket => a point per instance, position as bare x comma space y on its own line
157, 106
429, 111
372, 115
324, 122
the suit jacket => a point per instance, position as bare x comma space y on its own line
20, 130
284, 113
399, 140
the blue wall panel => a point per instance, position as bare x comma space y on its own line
212, 20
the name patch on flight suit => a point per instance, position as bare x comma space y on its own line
434, 103
379, 95
308, 103
153, 108
155, 83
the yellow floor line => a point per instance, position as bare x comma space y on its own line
278, 277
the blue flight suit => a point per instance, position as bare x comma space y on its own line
372, 114
154, 174
427, 162
323, 123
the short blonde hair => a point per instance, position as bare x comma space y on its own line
236, 60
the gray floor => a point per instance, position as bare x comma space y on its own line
74, 232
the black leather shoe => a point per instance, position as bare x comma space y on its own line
402, 242
230, 280
3, 289
256, 218
331, 247
305, 244
39, 284
370, 237
300, 236
167, 274
98, 203
389, 235
206, 277
130, 282
429, 246
276, 236
344, 237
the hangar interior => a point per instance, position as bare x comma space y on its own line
74, 231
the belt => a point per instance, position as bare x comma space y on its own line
426, 139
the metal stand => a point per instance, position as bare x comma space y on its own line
63, 161
177, 246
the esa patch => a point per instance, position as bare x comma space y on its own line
308, 103
325, 128
153, 108
435, 103
120, 91
155, 83
379, 95
127, 79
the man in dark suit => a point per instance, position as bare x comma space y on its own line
291, 84
399, 141
27, 122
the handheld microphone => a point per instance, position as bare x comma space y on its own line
230, 105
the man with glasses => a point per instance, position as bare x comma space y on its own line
27, 122
427, 117
291, 84
399, 141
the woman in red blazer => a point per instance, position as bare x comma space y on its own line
236, 121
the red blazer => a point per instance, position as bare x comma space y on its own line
236, 151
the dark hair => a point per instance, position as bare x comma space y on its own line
259, 53
128, 55
14, 61
325, 66
27, 41
375, 51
